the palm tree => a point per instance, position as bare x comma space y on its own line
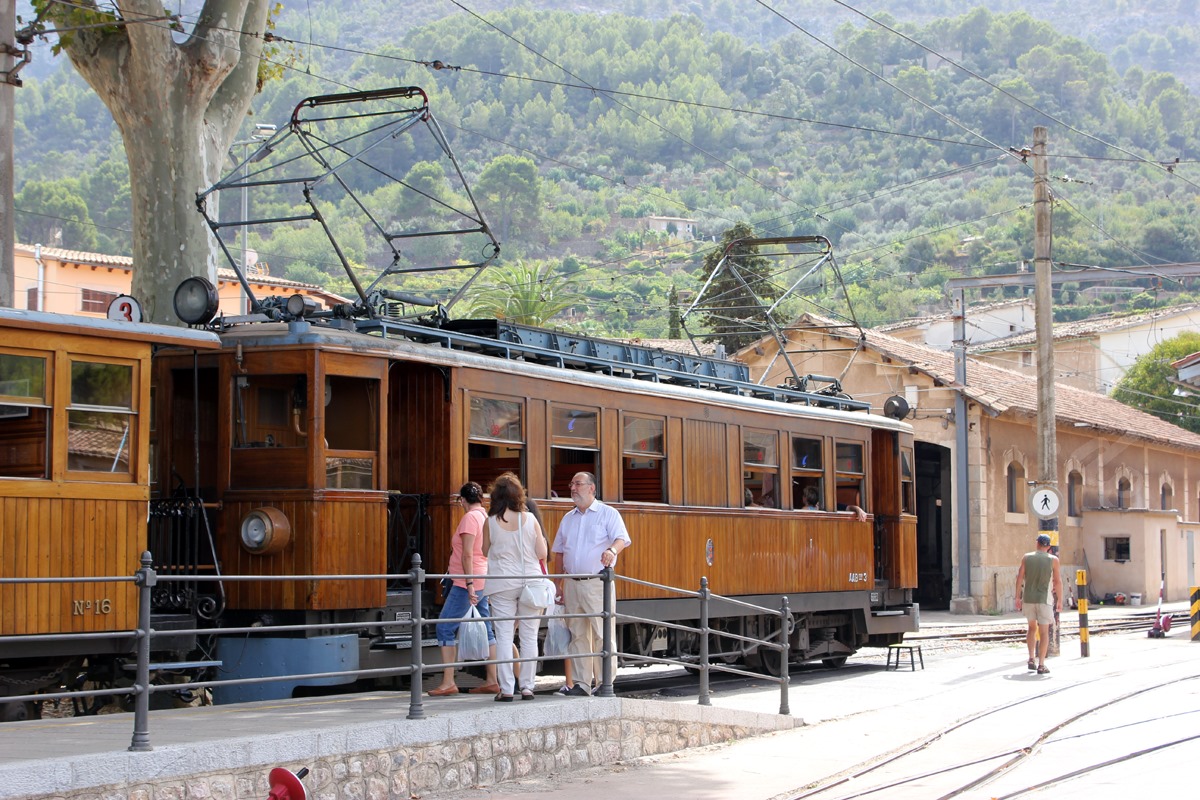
524, 294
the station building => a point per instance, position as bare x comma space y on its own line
1130, 481
75, 282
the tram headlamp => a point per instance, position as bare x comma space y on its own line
196, 301
300, 306
265, 531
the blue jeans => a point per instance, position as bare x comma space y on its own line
456, 607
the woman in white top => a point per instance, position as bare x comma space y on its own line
514, 544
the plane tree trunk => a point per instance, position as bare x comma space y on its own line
178, 106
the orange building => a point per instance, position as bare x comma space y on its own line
74, 282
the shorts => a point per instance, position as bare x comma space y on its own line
1041, 613
456, 607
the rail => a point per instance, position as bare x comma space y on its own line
146, 579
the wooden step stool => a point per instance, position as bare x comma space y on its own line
896, 651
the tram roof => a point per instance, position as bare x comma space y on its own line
108, 329
308, 335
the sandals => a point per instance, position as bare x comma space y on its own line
504, 698
1043, 670
1032, 665
526, 694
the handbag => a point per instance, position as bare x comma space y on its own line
537, 593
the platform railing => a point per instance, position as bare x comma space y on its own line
146, 579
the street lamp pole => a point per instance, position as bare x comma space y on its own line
262, 131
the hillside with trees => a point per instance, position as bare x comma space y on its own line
576, 130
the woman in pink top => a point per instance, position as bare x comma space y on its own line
466, 592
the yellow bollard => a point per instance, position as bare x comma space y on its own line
1196, 613
1081, 593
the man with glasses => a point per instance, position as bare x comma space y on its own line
589, 538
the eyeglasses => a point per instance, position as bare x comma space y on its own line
579, 483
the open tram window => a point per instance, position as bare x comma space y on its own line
574, 446
808, 473
24, 417
351, 431
760, 470
851, 475
908, 502
270, 432
643, 460
497, 441
101, 419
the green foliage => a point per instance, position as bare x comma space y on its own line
55, 214
525, 293
1147, 385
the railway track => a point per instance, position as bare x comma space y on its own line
1009, 633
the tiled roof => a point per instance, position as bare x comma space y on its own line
982, 308
1000, 390
1102, 323
708, 349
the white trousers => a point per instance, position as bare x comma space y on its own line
504, 604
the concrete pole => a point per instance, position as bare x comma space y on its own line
962, 472
1044, 307
8, 46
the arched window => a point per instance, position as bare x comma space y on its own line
1074, 494
1124, 489
1016, 488
1168, 497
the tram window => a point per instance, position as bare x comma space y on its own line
643, 462
24, 417
760, 475
497, 443
850, 475
269, 411
100, 418
574, 446
907, 487
351, 432
808, 470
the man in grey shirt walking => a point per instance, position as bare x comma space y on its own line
1039, 569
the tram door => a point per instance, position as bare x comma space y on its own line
893, 504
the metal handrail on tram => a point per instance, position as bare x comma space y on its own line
146, 578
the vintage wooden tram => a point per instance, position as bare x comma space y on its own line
330, 450
75, 485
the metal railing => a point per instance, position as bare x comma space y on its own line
146, 579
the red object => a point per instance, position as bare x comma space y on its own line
285, 785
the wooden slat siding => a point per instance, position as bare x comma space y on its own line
537, 425
269, 467
44, 537
754, 552
329, 536
674, 443
704, 445
352, 538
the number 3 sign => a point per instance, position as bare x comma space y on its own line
124, 308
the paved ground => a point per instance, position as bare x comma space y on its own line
855, 718
852, 717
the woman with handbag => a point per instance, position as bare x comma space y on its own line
514, 544
466, 558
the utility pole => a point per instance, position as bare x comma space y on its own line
12, 58
1044, 319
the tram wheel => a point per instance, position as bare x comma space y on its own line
770, 662
18, 712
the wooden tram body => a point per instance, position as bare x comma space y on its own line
327, 428
75, 484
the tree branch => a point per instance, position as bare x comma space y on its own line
241, 84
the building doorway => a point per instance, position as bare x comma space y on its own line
934, 508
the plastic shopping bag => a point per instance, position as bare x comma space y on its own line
472, 638
558, 635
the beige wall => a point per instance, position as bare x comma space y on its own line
66, 281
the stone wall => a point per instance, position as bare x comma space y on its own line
487, 748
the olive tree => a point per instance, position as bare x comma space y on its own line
178, 99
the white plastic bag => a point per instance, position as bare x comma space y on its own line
537, 594
558, 635
472, 638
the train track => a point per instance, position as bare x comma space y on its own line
1009, 633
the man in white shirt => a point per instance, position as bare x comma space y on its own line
589, 538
